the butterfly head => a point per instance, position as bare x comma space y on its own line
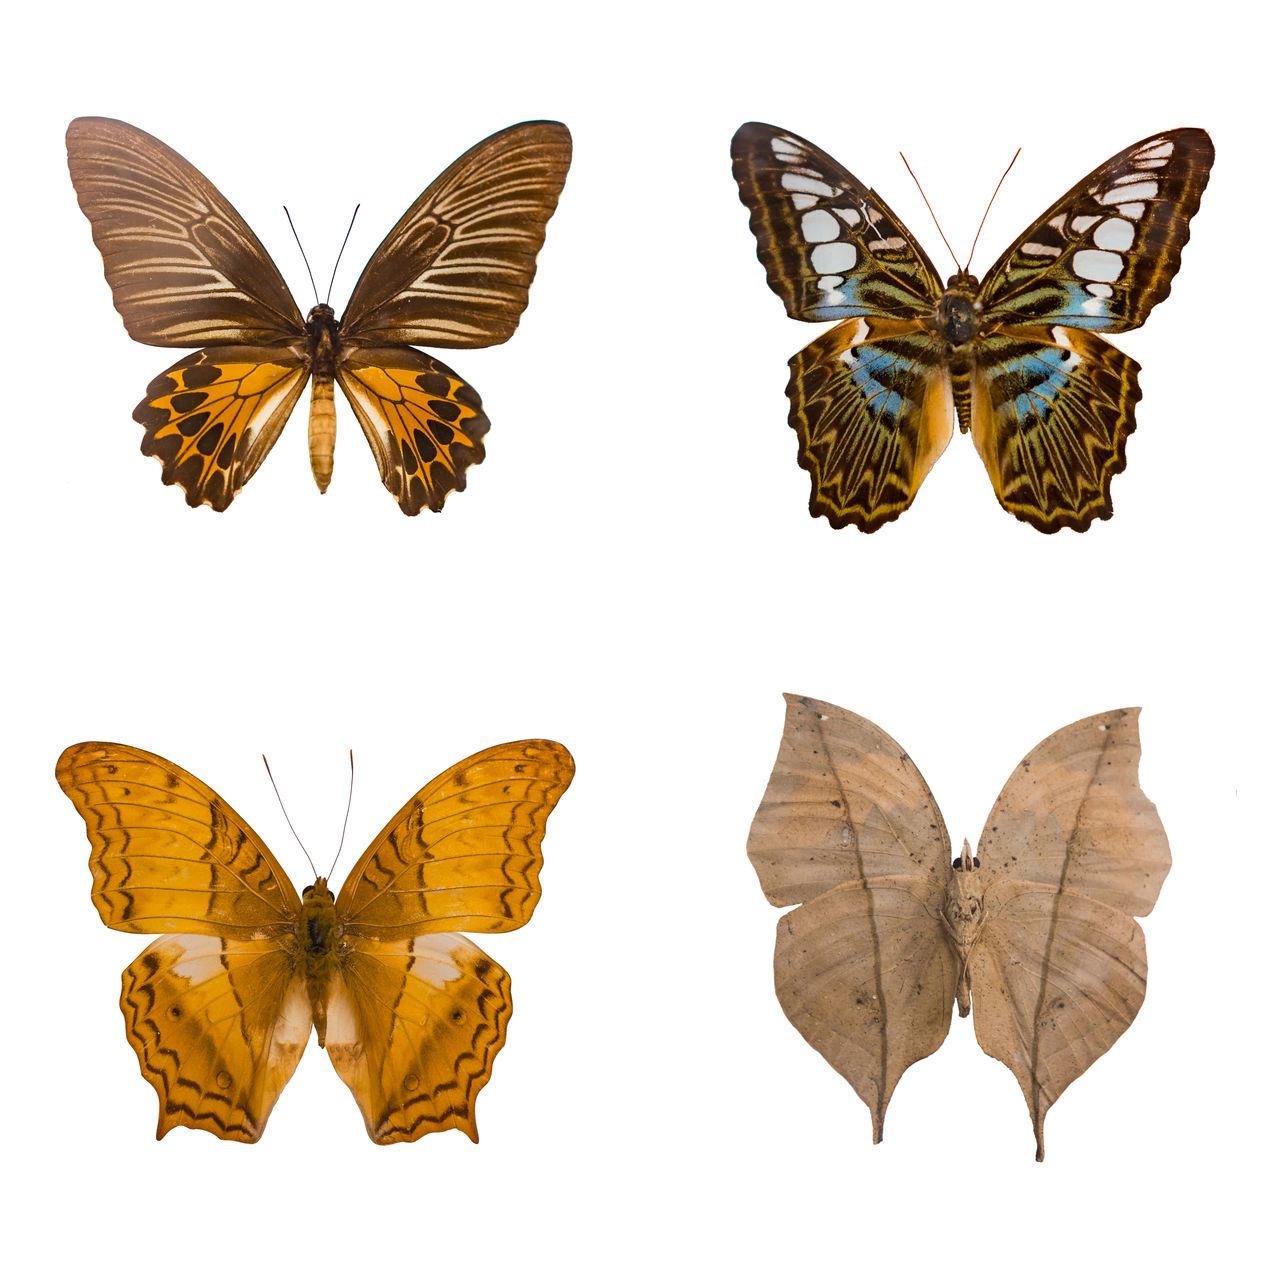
318, 892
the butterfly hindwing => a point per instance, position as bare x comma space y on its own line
455, 270
212, 418
218, 1025
831, 248
184, 268
1106, 253
1050, 410
871, 404
414, 1028
424, 424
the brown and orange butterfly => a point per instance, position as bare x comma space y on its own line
185, 270
219, 1011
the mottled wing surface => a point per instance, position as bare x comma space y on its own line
464, 852
1053, 406
832, 249
184, 268
871, 405
413, 1030
849, 829
870, 399
213, 1011
212, 418
168, 853
218, 1025
1072, 851
424, 424
455, 270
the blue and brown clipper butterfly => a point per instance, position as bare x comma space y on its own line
1016, 356
185, 270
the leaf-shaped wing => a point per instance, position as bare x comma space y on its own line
423, 423
413, 1029
218, 1026
831, 247
183, 266
865, 974
849, 828
464, 852
1057, 978
871, 405
212, 418
1071, 852
844, 803
1051, 409
168, 853
455, 270
1107, 252
1072, 816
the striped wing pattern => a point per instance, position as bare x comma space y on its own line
831, 248
871, 405
424, 424
455, 270
184, 268
464, 853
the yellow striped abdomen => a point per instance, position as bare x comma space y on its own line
322, 429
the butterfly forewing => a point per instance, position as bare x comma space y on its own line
455, 270
183, 266
1107, 252
831, 248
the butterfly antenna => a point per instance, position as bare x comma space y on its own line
312, 278
350, 792
332, 278
928, 206
990, 202
285, 811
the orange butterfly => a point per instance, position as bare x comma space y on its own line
185, 270
220, 1010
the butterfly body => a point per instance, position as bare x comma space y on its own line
220, 1009
186, 271
1014, 356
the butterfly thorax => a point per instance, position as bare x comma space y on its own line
322, 426
963, 916
957, 314
319, 936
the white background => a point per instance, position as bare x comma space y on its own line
633, 571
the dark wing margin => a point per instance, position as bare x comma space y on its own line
184, 268
832, 249
455, 271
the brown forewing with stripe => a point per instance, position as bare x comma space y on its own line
219, 1010
185, 270
1035, 933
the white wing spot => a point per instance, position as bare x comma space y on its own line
1130, 191
1101, 290
1161, 150
1115, 233
897, 242
785, 148
851, 217
1034, 250
794, 181
818, 225
803, 202
1082, 224
1097, 264
828, 259
1131, 211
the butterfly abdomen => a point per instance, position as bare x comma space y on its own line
322, 427
318, 935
